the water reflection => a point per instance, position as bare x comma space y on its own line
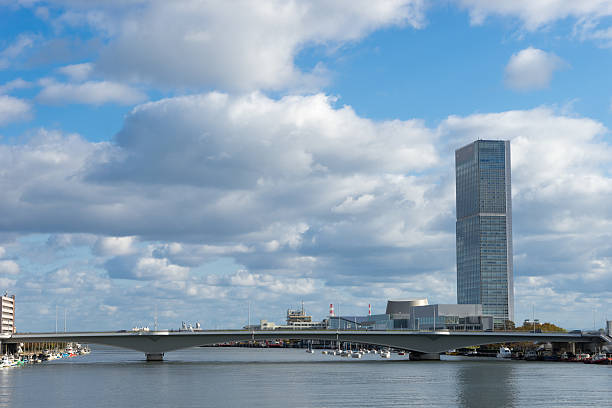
486, 384
6, 387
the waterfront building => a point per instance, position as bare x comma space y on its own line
7, 314
296, 320
298, 316
418, 315
370, 322
484, 228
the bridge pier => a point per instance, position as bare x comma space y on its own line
415, 356
155, 356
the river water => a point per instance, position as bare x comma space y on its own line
241, 377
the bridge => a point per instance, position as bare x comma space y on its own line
426, 344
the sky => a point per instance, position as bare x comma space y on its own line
197, 159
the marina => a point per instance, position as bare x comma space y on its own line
27, 356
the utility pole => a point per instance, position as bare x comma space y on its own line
155, 322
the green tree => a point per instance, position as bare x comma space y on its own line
540, 327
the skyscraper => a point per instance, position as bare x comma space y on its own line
484, 228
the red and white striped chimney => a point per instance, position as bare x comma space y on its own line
331, 309
369, 309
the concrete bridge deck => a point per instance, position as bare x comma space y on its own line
155, 343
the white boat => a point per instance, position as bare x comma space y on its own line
356, 354
310, 351
6, 362
325, 352
345, 353
582, 356
504, 352
385, 354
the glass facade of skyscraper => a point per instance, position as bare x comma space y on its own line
484, 228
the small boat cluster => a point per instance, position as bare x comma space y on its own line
360, 352
598, 358
542, 355
46, 355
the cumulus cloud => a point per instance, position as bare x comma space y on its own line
241, 45
531, 68
306, 199
561, 187
114, 246
77, 72
145, 268
90, 92
261, 140
13, 109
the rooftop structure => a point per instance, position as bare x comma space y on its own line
296, 319
298, 316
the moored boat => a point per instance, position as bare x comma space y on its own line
504, 352
599, 358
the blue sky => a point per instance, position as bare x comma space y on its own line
204, 155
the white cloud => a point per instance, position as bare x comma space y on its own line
286, 285
13, 109
90, 92
145, 267
535, 14
114, 246
108, 309
242, 45
352, 209
154, 268
591, 17
77, 72
10, 53
355, 205
8, 267
15, 84
531, 68
561, 186
262, 141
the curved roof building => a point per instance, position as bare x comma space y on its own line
404, 306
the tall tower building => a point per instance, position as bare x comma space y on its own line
484, 228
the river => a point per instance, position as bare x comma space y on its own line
241, 377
